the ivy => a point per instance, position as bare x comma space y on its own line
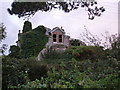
32, 42
14, 51
27, 26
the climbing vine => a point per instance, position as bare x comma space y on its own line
32, 42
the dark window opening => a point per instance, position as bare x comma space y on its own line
54, 38
60, 38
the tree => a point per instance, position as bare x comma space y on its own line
2, 32
89, 38
28, 9
27, 26
2, 37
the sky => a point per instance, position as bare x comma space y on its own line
73, 23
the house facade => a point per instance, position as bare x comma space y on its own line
58, 37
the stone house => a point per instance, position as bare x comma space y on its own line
57, 40
57, 37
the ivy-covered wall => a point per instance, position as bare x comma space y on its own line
32, 41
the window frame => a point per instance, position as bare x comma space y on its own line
55, 38
60, 39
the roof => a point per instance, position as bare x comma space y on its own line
57, 28
48, 31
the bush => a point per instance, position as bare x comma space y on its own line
36, 70
14, 51
67, 75
20, 71
75, 42
110, 81
54, 57
85, 52
13, 71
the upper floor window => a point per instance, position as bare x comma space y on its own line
60, 38
54, 38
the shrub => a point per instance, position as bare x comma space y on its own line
76, 42
110, 81
68, 75
54, 57
20, 71
85, 52
36, 70
13, 72
14, 51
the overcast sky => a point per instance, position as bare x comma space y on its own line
73, 23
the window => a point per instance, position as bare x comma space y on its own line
54, 38
60, 38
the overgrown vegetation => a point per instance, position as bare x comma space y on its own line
20, 71
93, 71
85, 52
77, 67
27, 26
32, 41
74, 74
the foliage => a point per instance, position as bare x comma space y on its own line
36, 70
30, 8
32, 42
2, 32
14, 51
13, 72
27, 26
85, 52
75, 42
3, 48
52, 56
86, 73
116, 49
67, 75
2, 37
110, 81
19, 71
77, 67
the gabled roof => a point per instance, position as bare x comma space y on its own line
57, 28
48, 30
